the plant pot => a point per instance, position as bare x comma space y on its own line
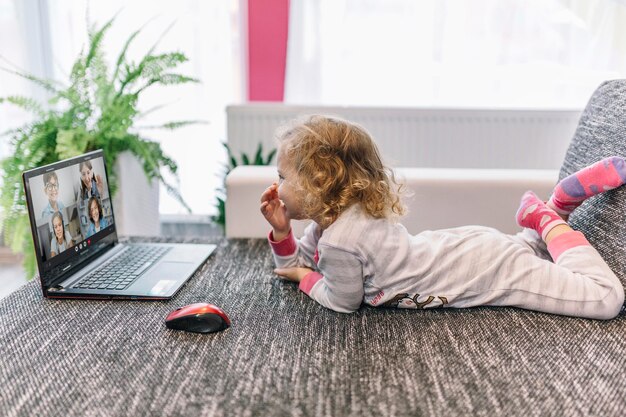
136, 203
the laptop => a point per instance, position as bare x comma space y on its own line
76, 243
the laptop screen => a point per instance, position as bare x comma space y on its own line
70, 211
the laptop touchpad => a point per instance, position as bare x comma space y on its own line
165, 276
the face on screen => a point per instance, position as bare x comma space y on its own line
70, 207
51, 188
86, 175
94, 211
57, 225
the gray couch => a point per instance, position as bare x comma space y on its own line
602, 132
285, 355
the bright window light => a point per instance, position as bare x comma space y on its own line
454, 53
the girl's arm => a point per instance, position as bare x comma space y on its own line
292, 252
339, 284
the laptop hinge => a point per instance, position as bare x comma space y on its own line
56, 286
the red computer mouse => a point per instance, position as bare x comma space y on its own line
198, 318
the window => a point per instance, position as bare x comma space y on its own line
453, 53
208, 32
18, 50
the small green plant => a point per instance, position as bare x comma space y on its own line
97, 110
258, 159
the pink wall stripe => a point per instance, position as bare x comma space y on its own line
268, 23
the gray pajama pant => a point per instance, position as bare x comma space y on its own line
579, 283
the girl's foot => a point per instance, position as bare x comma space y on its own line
535, 214
602, 176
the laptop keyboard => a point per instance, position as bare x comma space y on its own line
120, 273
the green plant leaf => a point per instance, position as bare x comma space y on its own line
18, 231
152, 110
71, 142
122, 56
258, 156
153, 47
30, 261
151, 69
175, 124
270, 157
95, 39
93, 111
171, 79
220, 218
25, 103
49, 85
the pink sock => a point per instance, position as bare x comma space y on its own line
602, 176
534, 214
566, 241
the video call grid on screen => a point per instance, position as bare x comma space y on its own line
73, 199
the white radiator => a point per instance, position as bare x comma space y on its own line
437, 138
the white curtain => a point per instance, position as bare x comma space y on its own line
207, 31
18, 48
453, 53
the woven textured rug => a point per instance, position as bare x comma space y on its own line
287, 356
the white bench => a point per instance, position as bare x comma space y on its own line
442, 197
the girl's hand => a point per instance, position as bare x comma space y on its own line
274, 212
292, 274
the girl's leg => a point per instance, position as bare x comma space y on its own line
529, 238
602, 176
578, 283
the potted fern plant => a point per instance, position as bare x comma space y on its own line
98, 109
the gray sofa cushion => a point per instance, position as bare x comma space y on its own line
601, 132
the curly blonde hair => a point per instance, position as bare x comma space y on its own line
338, 164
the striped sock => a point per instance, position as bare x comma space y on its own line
534, 214
602, 176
